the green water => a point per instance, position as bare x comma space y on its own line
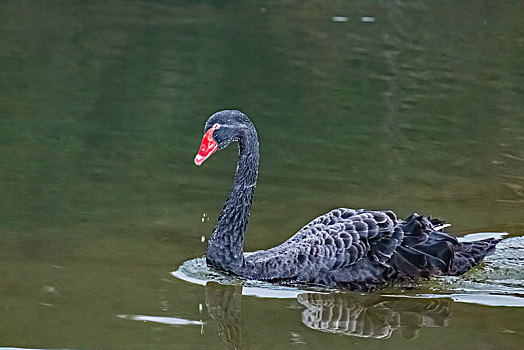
102, 108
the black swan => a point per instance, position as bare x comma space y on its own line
345, 248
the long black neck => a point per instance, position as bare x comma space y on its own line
226, 245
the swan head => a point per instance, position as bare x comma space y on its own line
221, 129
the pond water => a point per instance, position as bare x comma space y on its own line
409, 106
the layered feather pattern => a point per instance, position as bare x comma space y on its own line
362, 249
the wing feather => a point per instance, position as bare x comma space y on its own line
335, 240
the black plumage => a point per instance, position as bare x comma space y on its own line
354, 249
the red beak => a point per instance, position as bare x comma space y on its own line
207, 148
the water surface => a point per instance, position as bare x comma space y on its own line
101, 113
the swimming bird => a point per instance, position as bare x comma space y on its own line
346, 248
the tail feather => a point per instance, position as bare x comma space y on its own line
425, 251
469, 254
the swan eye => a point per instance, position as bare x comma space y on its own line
216, 126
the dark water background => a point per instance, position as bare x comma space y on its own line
102, 107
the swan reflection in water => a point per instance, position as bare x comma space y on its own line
349, 314
223, 303
372, 317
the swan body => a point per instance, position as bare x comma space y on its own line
344, 248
